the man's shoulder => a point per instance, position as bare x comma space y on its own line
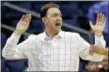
34, 36
71, 36
68, 33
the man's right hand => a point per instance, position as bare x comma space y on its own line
23, 24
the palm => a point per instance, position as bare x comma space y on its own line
23, 24
99, 26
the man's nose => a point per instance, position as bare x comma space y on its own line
58, 18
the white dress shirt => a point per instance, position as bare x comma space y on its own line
45, 54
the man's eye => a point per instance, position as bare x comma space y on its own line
60, 15
54, 15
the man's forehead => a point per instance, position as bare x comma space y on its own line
54, 10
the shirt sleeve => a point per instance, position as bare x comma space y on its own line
13, 51
84, 50
100, 41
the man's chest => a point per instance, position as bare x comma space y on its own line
57, 50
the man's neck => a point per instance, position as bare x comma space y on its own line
51, 33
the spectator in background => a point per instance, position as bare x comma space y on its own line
3, 61
3, 40
98, 67
101, 7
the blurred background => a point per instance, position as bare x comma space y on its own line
76, 17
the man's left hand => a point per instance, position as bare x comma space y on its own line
99, 26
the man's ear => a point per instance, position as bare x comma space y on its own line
44, 20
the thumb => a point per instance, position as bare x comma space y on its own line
91, 24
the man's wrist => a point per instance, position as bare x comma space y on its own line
99, 34
18, 32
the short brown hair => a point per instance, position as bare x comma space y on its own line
45, 8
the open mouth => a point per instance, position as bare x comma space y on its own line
58, 24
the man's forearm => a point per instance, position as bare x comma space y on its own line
10, 45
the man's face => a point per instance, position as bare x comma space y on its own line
53, 19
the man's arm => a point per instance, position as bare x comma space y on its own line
11, 50
86, 51
100, 43
99, 46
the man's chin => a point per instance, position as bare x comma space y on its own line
56, 30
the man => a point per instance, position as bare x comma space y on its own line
54, 49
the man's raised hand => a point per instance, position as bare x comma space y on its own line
99, 26
23, 24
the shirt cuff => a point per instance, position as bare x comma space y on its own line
100, 40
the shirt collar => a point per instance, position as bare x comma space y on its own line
59, 35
